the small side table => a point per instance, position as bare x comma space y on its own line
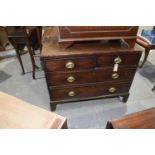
29, 36
139, 120
17, 114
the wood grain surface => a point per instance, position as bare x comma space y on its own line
15, 113
139, 120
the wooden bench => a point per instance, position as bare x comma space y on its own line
15, 113
139, 120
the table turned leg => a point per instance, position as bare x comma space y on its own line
32, 61
147, 50
20, 60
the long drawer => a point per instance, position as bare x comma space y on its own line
94, 90
93, 76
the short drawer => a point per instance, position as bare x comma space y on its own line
69, 64
95, 90
123, 59
97, 75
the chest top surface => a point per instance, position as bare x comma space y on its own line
51, 46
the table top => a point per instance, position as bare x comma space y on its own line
139, 120
15, 113
51, 48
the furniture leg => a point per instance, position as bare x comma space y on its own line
18, 56
30, 51
32, 61
38, 32
65, 126
147, 50
153, 88
109, 125
125, 98
36, 67
20, 61
52, 106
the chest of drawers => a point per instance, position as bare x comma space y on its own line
87, 70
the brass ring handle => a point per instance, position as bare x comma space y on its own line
115, 76
70, 65
112, 89
71, 93
118, 60
71, 79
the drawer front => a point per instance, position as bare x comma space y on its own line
69, 64
121, 59
98, 75
66, 93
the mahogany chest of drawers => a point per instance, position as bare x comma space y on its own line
87, 70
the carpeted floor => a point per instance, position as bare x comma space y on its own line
86, 114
